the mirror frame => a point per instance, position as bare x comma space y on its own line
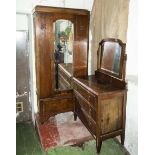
123, 57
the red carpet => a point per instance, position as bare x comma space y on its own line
61, 130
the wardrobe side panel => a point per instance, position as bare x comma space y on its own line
43, 51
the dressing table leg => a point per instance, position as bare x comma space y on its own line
75, 116
122, 137
98, 145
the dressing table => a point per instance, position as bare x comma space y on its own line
100, 99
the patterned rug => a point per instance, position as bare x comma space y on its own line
62, 130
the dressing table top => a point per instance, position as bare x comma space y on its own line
95, 85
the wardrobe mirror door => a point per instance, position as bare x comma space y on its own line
63, 53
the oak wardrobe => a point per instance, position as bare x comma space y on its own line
61, 52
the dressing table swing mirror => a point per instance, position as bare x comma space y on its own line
100, 99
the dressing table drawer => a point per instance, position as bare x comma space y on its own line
91, 112
85, 118
90, 123
81, 90
86, 94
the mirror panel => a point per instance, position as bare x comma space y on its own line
63, 53
111, 55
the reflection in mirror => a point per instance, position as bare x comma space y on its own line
63, 44
111, 57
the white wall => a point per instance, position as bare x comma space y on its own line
28, 5
80, 4
23, 6
131, 46
131, 135
131, 139
21, 22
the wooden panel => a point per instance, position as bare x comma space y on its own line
57, 105
111, 114
48, 9
108, 79
54, 106
44, 61
80, 55
37, 56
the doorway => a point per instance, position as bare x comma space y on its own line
23, 107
